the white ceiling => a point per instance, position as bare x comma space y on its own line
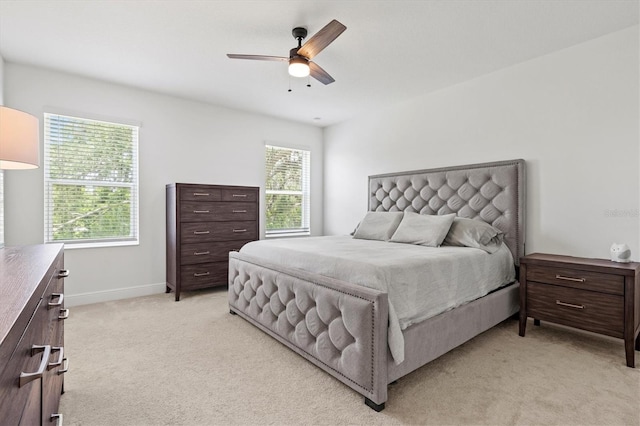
391, 51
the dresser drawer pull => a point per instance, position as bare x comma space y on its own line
239, 211
58, 363
58, 418
201, 253
201, 211
201, 232
65, 367
578, 280
60, 297
201, 194
64, 314
28, 377
239, 230
240, 195
64, 273
202, 274
569, 305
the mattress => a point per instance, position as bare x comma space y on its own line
421, 282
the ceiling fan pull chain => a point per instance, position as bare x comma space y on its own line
308, 81
289, 84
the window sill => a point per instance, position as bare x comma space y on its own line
295, 235
68, 245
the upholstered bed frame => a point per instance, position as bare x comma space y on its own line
350, 321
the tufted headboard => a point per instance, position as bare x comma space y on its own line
491, 192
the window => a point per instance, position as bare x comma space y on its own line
91, 181
287, 191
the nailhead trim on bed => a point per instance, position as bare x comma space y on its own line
308, 316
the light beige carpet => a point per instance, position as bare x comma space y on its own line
153, 361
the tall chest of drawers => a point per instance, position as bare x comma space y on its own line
32, 314
205, 223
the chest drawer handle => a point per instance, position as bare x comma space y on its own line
202, 274
58, 418
201, 253
64, 273
201, 194
239, 211
65, 366
61, 358
64, 314
239, 230
240, 195
200, 232
28, 377
60, 297
201, 211
578, 280
569, 305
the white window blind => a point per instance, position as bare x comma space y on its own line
91, 181
287, 191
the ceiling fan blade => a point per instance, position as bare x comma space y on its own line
257, 57
319, 74
321, 39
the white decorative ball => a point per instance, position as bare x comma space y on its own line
620, 253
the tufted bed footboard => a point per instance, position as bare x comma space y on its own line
338, 326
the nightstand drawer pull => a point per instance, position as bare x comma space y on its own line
240, 195
578, 280
200, 232
203, 274
201, 253
569, 305
201, 211
239, 230
201, 194
64, 273
239, 211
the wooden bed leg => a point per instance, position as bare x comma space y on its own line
373, 405
232, 313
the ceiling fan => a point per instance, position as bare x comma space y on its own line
300, 64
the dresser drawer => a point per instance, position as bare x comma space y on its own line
240, 194
588, 310
209, 252
576, 278
202, 275
217, 231
192, 211
199, 193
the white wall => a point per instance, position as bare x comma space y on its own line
180, 141
572, 115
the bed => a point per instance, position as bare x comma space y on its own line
349, 327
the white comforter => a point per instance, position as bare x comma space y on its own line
421, 281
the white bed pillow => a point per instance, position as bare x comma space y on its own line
474, 233
378, 226
423, 229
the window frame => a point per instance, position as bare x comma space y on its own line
305, 192
134, 185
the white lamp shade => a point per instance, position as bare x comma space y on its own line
19, 140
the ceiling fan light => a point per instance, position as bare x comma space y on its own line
298, 67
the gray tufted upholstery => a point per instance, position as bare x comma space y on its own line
330, 322
488, 192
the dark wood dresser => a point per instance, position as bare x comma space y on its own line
32, 314
596, 295
205, 223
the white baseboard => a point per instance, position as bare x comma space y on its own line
71, 300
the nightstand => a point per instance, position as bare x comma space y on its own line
596, 295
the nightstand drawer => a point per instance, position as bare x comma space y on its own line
588, 310
577, 278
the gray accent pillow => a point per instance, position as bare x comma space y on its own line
474, 233
424, 229
378, 226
